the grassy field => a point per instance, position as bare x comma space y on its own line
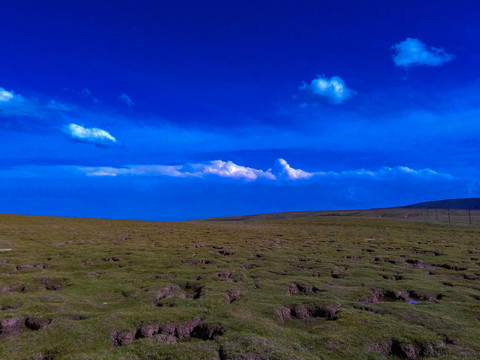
346, 285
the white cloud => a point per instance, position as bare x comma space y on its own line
285, 170
13, 105
332, 90
228, 169
146, 170
126, 99
225, 169
5, 95
390, 172
412, 52
94, 136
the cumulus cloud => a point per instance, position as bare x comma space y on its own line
126, 99
412, 52
94, 136
286, 171
228, 169
332, 90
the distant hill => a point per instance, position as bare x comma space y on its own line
469, 203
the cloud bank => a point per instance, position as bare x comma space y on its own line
282, 172
412, 52
331, 90
224, 169
94, 136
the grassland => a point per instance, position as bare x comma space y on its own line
345, 285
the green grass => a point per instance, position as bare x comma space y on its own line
268, 253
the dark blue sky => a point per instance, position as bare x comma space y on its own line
189, 109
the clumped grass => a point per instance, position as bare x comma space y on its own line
95, 277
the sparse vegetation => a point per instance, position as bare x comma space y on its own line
336, 286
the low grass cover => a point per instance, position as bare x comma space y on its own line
305, 287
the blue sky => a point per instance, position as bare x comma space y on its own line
180, 110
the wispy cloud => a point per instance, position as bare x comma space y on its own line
54, 105
13, 105
391, 172
86, 93
126, 99
412, 52
139, 170
285, 171
332, 90
95, 136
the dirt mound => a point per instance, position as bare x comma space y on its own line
111, 259
402, 350
226, 253
51, 284
401, 295
194, 291
169, 292
207, 331
36, 323
224, 275
13, 326
28, 267
120, 338
300, 289
381, 259
388, 296
307, 311
186, 291
13, 289
233, 295
197, 262
145, 331
419, 263
170, 332
451, 267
